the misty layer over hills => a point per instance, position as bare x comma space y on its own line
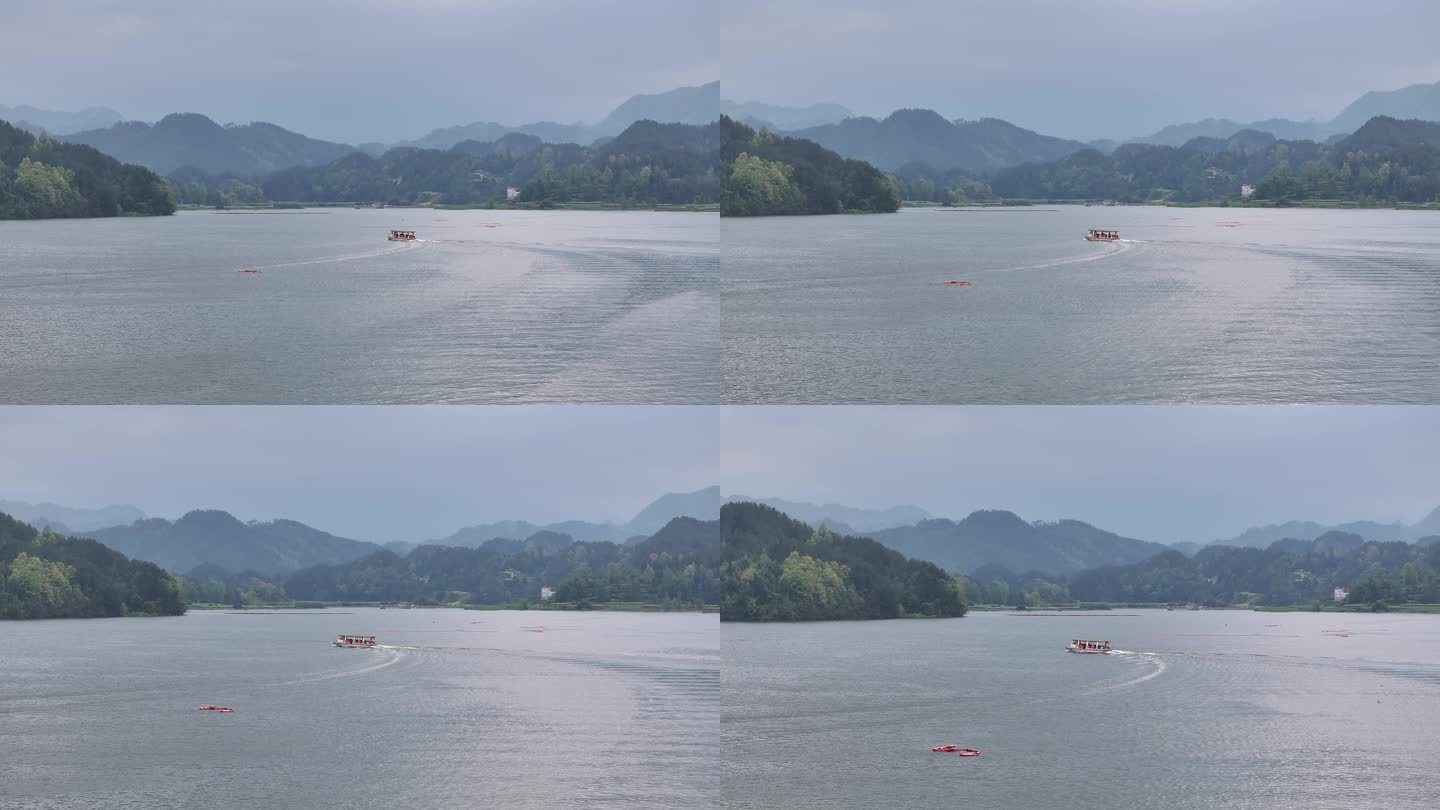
999, 538
193, 140
925, 136
215, 538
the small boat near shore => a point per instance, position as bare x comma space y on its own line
1102, 236
354, 641
402, 236
1085, 646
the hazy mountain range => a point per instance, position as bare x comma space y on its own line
1263, 536
684, 105
703, 504
57, 122
771, 116
193, 140
841, 518
924, 136
218, 538
999, 537
69, 519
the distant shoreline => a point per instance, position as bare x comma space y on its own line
292, 208
1272, 204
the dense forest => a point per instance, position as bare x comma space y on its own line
1288, 572
41, 178
677, 566
776, 568
763, 174
44, 575
1385, 161
645, 165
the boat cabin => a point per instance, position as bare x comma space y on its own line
1080, 645
354, 641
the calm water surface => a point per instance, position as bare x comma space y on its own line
1196, 305
460, 709
1223, 709
490, 306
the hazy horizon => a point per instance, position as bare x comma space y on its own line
1108, 69
369, 473
354, 71
1166, 473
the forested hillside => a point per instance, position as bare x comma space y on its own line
779, 569
41, 177
44, 575
764, 174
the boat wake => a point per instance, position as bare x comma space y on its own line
345, 258
1120, 246
1158, 668
391, 660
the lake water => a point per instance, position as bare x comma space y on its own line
1196, 305
460, 709
488, 307
1223, 709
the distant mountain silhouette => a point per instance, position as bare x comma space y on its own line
772, 116
841, 518
218, 538
924, 136
703, 504
69, 519
57, 122
1001, 538
1263, 536
684, 105
1384, 132
1223, 128
193, 140
1421, 101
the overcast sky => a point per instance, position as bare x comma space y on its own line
355, 70
1100, 68
392, 473
1162, 473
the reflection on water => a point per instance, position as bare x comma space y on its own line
1193, 305
456, 709
1207, 709
487, 306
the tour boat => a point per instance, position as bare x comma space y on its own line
1102, 236
958, 283
355, 641
1080, 645
209, 707
248, 271
402, 236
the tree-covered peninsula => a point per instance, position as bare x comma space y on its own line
763, 174
776, 568
44, 575
42, 178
